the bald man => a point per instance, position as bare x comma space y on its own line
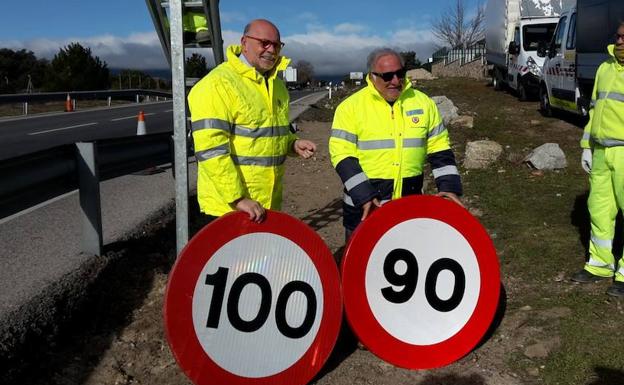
239, 114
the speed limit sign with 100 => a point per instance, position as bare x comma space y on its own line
250, 303
421, 282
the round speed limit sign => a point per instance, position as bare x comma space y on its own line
421, 282
250, 303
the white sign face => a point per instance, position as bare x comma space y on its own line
422, 281
356, 75
257, 305
290, 74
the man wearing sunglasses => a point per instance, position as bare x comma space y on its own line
239, 115
603, 159
381, 137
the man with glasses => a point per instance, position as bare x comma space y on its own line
603, 159
381, 137
239, 115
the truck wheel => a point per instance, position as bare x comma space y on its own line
522, 92
545, 107
496, 80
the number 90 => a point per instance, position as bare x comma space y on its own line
409, 279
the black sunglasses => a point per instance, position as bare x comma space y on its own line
387, 76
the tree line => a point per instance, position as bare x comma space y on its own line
73, 68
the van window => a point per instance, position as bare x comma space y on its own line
533, 34
571, 43
560, 31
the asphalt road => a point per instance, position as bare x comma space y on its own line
24, 135
40, 248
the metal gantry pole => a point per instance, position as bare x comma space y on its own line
179, 125
215, 25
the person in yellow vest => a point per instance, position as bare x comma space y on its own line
240, 126
603, 159
381, 137
195, 27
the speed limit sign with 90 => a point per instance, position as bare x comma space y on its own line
421, 282
250, 303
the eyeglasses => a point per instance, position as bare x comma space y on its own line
617, 37
388, 76
277, 45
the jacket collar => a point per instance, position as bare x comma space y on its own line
233, 57
373, 91
611, 50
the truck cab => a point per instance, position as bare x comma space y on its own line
524, 67
514, 30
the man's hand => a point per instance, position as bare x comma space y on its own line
586, 160
450, 196
254, 209
304, 148
369, 207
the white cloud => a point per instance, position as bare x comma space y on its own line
349, 28
332, 51
137, 51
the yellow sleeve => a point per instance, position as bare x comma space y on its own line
585, 142
437, 135
212, 122
343, 136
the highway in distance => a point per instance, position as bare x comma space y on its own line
27, 134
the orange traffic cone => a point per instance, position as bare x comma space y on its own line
68, 104
141, 124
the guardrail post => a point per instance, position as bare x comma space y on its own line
89, 191
109, 101
25, 108
137, 98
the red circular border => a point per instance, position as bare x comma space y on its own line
357, 308
191, 357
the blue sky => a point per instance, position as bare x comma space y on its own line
333, 35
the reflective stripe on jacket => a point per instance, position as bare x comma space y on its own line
241, 135
374, 141
606, 114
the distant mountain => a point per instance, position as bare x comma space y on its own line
166, 74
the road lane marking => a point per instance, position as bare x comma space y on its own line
62, 128
133, 116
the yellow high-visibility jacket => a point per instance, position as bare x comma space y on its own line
606, 114
390, 142
241, 135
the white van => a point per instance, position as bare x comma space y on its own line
576, 51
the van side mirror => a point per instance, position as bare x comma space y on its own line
513, 48
552, 51
542, 49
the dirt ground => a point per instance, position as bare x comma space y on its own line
119, 339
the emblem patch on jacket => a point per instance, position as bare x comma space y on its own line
415, 120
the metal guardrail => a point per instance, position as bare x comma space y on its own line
38, 177
129, 94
